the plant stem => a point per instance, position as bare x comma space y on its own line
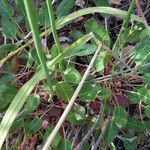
118, 44
52, 22
54, 31
143, 17
36, 36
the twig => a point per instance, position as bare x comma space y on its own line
143, 17
103, 130
141, 13
87, 136
69, 106
77, 134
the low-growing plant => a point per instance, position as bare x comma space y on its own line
97, 102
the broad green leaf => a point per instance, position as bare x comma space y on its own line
43, 17
79, 112
8, 28
132, 35
20, 7
105, 93
142, 52
83, 50
89, 92
75, 116
8, 47
100, 33
146, 78
3, 11
57, 138
130, 145
9, 77
10, 92
101, 61
134, 96
147, 111
32, 103
111, 132
144, 34
7, 7
77, 34
75, 48
65, 7
3, 88
18, 123
135, 125
34, 126
64, 90
144, 95
120, 117
65, 145
72, 75
6, 95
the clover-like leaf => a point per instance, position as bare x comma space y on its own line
72, 75
89, 92
64, 90
120, 117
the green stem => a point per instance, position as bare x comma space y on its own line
52, 22
54, 31
118, 45
36, 36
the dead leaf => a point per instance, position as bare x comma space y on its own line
117, 2
15, 64
122, 100
95, 105
80, 3
64, 39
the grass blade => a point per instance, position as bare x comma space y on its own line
36, 36
54, 32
